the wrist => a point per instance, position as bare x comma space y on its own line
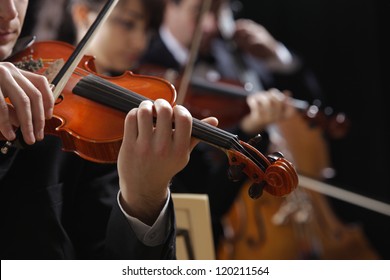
144, 207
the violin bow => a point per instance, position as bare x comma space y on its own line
344, 195
70, 65
193, 54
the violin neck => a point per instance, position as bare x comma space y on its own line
216, 88
109, 94
234, 91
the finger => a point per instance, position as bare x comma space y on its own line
13, 118
183, 125
287, 93
36, 99
210, 120
164, 114
145, 121
34, 104
277, 100
285, 107
43, 86
21, 103
260, 101
5, 122
251, 101
131, 128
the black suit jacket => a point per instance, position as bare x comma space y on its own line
158, 54
55, 205
220, 59
302, 82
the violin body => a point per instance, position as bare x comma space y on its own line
93, 131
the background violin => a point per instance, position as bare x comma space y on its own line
219, 97
301, 225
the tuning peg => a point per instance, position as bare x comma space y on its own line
235, 172
275, 156
255, 141
256, 190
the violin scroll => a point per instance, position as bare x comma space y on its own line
281, 177
274, 173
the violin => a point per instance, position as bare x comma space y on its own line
206, 97
303, 224
89, 118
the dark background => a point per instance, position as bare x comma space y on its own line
344, 42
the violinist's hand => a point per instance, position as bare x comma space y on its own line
253, 38
151, 155
266, 108
32, 103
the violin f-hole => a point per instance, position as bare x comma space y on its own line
59, 99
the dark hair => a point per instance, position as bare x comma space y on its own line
154, 9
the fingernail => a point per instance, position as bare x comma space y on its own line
10, 135
49, 113
40, 135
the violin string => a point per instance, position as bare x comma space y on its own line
125, 92
220, 137
223, 137
233, 142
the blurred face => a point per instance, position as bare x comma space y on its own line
182, 19
121, 40
12, 13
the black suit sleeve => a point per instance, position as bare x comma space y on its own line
129, 247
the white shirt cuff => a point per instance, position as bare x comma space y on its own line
285, 61
150, 235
